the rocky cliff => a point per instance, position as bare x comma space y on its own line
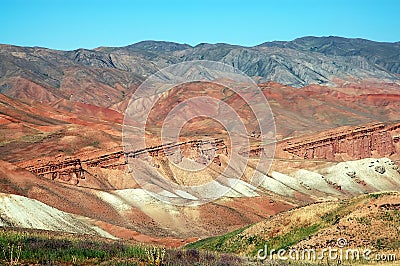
64, 169
72, 169
355, 142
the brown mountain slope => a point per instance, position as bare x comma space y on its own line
365, 222
30, 129
317, 108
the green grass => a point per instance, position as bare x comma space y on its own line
285, 241
377, 195
218, 243
235, 242
42, 248
19, 247
33, 138
95, 144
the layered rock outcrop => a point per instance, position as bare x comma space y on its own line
65, 169
113, 160
351, 142
72, 169
355, 142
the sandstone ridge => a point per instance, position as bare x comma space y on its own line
72, 169
354, 142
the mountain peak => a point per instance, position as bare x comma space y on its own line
164, 46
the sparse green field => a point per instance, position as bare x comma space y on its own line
369, 221
34, 247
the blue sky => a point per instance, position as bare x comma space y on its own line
68, 25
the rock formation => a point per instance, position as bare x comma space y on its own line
357, 142
354, 142
68, 169
65, 169
112, 160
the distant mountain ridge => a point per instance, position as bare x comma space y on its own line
113, 72
384, 54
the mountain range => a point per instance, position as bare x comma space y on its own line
105, 76
334, 100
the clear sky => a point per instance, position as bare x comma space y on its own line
67, 25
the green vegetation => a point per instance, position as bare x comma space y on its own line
33, 138
363, 220
218, 243
248, 242
95, 144
29, 138
287, 240
42, 248
334, 216
19, 247
234, 242
377, 195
